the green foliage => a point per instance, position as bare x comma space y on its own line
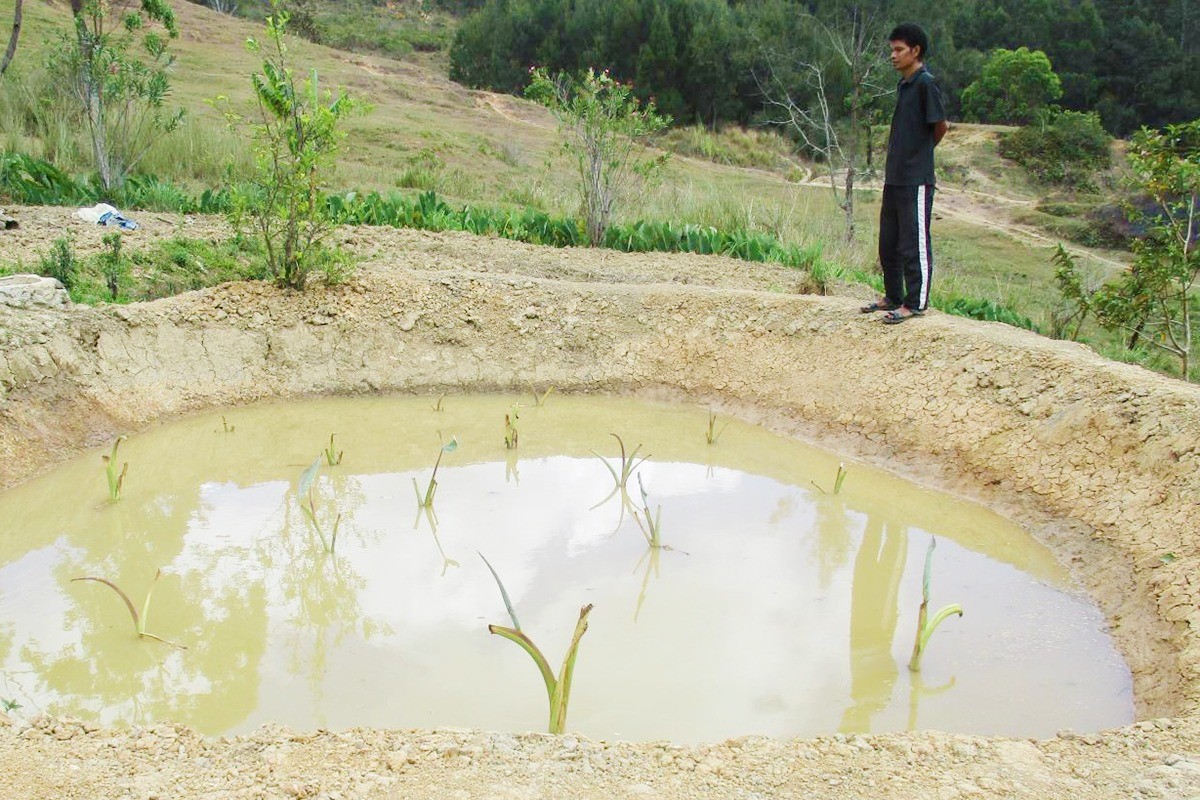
712, 434
116, 480
1070, 285
115, 64
926, 626
511, 433
426, 500
295, 136
1013, 87
1155, 301
113, 266
60, 263
308, 504
605, 129
983, 309
558, 688
1061, 147
333, 456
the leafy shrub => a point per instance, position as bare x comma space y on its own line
985, 310
60, 263
1061, 147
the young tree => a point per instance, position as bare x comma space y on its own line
853, 49
1157, 296
295, 138
1013, 87
605, 129
115, 64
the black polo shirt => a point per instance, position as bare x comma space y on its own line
910, 145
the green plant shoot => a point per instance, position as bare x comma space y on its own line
438, 406
139, 620
629, 462
838, 480
307, 495
558, 688
712, 434
333, 456
925, 626
116, 480
426, 500
540, 399
225, 426
653, 525
510, 427
512, 614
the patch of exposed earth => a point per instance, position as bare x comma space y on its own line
1099, 460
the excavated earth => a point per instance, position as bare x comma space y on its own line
1101, 461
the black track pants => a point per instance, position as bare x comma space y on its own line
905, 253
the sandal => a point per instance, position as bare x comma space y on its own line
894, 317
878, 305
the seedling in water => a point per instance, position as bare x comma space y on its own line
510, 427
139, 620
629, 463
225, 426
558, 688
838, 480
712, 434
431, 518
115, 480
426, 500
926, 628
9, 704
305, 492
438, 405
333, 457
653, 525
540, 399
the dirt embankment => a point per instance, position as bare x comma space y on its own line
1100, 460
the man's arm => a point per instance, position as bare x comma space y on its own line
939, 130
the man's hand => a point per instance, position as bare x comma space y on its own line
939, 130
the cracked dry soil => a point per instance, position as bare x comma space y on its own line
1099, 460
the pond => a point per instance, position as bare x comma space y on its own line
775, 605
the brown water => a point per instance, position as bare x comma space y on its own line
779, 610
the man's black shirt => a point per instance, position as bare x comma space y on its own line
910, 146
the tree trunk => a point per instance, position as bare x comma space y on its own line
12, 41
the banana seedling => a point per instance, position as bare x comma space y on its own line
510, 427
333, 456
426, 500
139, 620
629, 462
925, 626
116, 480
558, 687
838, 480
308, 505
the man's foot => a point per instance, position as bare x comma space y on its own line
878, 305
901, 314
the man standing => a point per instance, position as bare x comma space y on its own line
918, 124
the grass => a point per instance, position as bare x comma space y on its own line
838, 480
333, 456
712, 435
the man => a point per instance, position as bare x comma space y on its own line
918, 124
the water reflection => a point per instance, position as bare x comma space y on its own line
781, 621
874, 610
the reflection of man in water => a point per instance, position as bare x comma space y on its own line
878, 568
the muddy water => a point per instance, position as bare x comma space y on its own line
775, 608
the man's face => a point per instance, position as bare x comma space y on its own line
904, 57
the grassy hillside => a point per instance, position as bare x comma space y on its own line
425, 132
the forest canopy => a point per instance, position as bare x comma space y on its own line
1135, 62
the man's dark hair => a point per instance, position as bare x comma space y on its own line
912, 35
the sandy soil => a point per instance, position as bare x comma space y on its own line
1099, 460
